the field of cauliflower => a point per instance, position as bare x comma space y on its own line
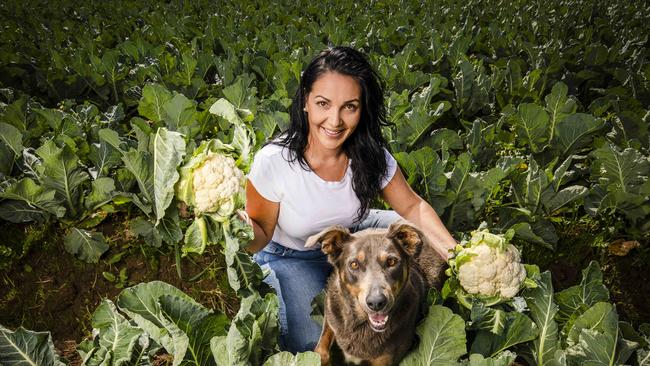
127, 128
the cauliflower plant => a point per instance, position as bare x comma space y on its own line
487, 268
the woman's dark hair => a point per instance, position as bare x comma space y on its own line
365, 147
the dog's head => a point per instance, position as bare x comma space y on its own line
372, 265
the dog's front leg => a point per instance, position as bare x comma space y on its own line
325, 343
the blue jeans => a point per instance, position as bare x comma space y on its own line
297, 277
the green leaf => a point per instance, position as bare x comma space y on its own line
200, 325
105, 157
503, 359
542, 311
168, 152
572, 133
116, 334
179, 113
576, 299
12, 138
532, 124
142, 304
253, 331
101, 193
487, 318
244, 274
558, 106
594, 338
519, 329
147, 230
154, 97
624, 171
169, 226
564, 197
140, 164
28, 201
289, 359
60, 172
196, 236
86, 245
442, 339
25, 347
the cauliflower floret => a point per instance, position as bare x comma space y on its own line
215, 182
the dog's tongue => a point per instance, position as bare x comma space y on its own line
378, 318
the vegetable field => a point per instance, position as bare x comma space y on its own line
526, 118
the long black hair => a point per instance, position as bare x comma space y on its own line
365, 147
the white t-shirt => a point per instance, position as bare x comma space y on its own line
308, 204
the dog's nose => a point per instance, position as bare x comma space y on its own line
376, 302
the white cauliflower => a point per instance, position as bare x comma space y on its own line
487, 267
211, 182
215, 182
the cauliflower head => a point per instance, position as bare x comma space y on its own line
488, 268
215, 182
211, 182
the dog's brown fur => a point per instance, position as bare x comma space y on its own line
398, 264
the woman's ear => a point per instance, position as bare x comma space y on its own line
331, 240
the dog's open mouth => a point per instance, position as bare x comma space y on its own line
378, 322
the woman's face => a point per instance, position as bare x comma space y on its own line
333, 110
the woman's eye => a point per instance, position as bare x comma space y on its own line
354, 265
351, 107
391, 262
321, 103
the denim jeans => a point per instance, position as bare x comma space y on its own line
297, 277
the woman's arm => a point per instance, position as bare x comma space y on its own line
264, 216
399, 195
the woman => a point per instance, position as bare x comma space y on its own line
326, 169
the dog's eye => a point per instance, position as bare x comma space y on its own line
354, 265
391, 262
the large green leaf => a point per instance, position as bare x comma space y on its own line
24, 347
442, 339
142, 304
253, 331
518, 329
12, 139
574, 300
117, 336
624, 170
423, 114
200, 325
244, 274
559, 106
27, 201
60, 172
154, 97
179, 113
289, 359
572, 133
168, 152
102, 192
86, 245
595, 339
542, 311
532, 124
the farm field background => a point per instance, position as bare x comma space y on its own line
529, 116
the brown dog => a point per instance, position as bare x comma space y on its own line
375, 293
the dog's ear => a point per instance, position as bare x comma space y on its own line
331, 240
407, 235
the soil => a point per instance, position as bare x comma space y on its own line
49, 290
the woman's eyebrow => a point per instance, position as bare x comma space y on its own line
347, 101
